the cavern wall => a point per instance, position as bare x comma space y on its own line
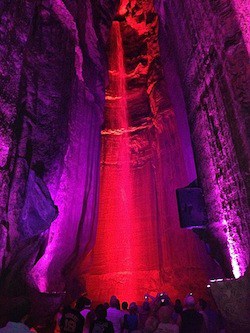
140, 247
52, 71
208, 40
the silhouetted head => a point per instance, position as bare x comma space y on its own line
106, 305
101, 312
133, 308
87, 302
189, 302
113, 301
178, 306
202, 304
118, 305
83, 303
178, 302
124, 305
146, 306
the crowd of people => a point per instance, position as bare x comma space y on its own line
156, 315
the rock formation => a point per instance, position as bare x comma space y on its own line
140, 246
53, 74
209, 44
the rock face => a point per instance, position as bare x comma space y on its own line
140, 247
53, 74
53, 71
208, 41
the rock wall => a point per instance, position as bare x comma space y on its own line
140, 246
53, 71
208, 40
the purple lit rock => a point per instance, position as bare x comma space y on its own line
53, 73
38, 210
208, 42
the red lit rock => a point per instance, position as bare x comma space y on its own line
140, 247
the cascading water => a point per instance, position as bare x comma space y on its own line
140, 247
116, 224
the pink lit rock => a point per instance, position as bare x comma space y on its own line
53, 73
209, 42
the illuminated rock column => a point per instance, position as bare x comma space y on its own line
140, 246
208, 41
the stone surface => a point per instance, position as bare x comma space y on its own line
140, 247
53, 72
208, 41
232, 298
38, 210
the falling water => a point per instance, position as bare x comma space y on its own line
113, 255
139, 247
117, 118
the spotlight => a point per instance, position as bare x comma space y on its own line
216, 280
